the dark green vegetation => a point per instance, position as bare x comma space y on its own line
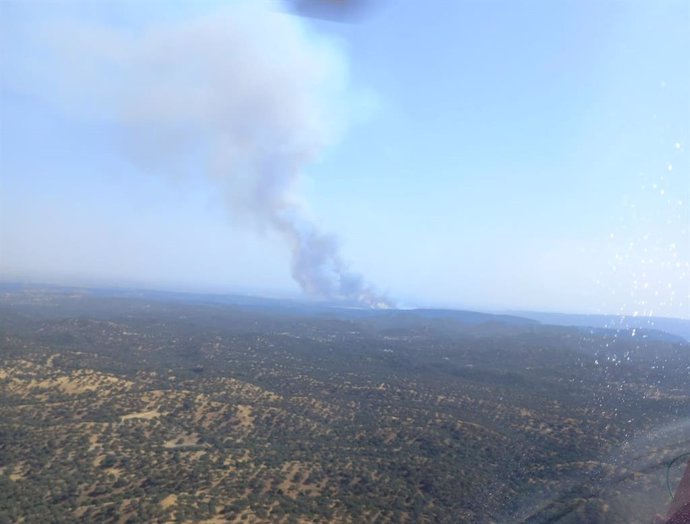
132, 409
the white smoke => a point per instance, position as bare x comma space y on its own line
246, 94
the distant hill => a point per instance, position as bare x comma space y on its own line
674, 326
657, 328
282, 306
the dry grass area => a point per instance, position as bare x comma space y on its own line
23, 379
244, 416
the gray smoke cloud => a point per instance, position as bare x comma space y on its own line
246, 95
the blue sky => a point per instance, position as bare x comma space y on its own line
483, 154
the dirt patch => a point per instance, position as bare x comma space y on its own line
182, 440
168, 501
153, 413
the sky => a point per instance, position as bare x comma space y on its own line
490, 155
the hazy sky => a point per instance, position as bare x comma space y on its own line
477, 154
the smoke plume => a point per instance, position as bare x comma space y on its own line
247, 97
